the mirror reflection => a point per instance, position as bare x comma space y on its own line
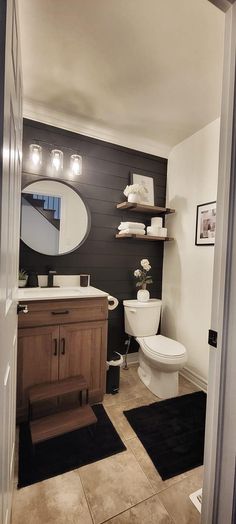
54, 218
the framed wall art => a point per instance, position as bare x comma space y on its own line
147, 182
205, 224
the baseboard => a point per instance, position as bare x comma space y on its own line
196, 379
132, 358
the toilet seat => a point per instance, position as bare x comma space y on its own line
158, 346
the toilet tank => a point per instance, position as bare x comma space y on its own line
142, 318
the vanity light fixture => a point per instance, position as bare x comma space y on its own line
36, 154
76, 164
57, 159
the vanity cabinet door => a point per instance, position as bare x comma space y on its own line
38, 358
83, 351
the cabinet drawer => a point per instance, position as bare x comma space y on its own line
50, 312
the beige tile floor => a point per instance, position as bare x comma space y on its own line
122, 489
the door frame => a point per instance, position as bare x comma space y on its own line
219, 476
10, 184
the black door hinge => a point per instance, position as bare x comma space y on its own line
212, 338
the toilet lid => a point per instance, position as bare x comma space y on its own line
137, 304
163, 346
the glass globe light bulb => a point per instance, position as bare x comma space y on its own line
76, 164
36, 154
57, 159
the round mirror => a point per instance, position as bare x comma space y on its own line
54, 218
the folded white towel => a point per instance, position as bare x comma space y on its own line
127, 225
132, 231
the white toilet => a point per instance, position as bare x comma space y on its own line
160, 358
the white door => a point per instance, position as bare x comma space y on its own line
10, 183
219, 487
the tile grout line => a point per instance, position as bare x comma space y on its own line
133, 506
155, 492
175, 483
163, 505
171, 517
87, 502
127, 509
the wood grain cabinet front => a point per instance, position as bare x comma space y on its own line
62, 350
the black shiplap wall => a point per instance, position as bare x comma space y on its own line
106, 172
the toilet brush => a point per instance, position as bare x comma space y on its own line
127, 344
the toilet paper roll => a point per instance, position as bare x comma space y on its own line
163, 232
157, 221
112, 303
153, 231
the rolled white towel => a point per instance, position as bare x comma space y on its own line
127, 225
132, 231
157, 221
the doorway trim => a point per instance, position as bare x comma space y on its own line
217, 493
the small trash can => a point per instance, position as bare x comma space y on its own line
113, 373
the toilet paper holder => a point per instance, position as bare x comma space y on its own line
112, 303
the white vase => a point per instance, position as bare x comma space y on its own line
143, 295
22, 283
134, 198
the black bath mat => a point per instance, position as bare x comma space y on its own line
172, 432
67, 452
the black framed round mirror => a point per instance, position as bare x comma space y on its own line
54, 218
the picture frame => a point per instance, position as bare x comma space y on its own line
148, 182
205, 224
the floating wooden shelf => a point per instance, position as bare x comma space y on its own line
143, 208
144, 237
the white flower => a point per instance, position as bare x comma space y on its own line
137, 273
135, 188
145, 264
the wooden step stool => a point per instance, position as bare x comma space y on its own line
62, 422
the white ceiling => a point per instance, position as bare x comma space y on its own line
138, 72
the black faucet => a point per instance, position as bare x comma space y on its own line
51, 274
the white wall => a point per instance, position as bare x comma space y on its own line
188, 269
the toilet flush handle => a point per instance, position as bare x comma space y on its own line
133, 310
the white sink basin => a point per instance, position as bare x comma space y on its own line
57, 293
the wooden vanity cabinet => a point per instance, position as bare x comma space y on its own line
36, 363
73, 342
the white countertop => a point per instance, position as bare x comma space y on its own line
59, 293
